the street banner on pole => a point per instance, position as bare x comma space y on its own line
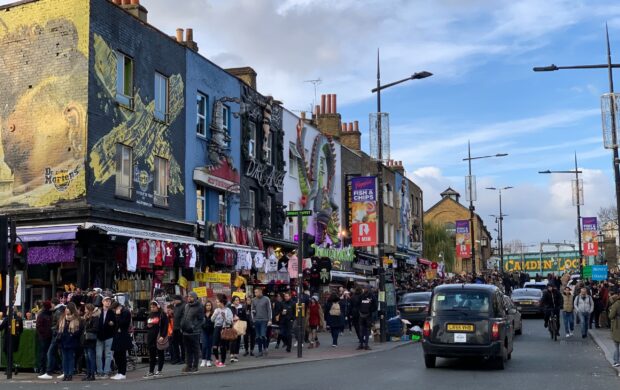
589, 236
364, 211
463, 239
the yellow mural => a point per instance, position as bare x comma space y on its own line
138, 128
44, 89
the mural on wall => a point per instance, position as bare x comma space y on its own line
137, 128
405, 213
317, 173
43, 84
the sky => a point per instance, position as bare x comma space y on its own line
483, 90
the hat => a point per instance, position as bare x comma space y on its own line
314, 297
155, 303
193, 294
107, 297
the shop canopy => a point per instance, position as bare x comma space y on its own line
235, 247
114, 230
348, 276
47, 233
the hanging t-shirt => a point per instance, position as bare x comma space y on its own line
152, 251
315, 276
187, 255
259, 261
271, 265
180, 259
192, 256
293, 263
169, 254
143, 254
283, 264
132, 255
159, 259
325, 267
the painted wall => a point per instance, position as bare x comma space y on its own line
313, 187
112, 30
208, 79
43, 102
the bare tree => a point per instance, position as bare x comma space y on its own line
514, 246
608, 216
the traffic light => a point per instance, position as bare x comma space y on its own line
20, 251
308, 240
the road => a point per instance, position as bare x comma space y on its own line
537, 362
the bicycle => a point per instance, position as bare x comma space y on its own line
554, 326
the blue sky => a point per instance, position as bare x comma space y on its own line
481, 52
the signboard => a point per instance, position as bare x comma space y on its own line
200, 291
417, 247
599, 272
589, 233
299, 213
587, 272
17, 288
542, 263
463, 239
364, 211
212, 277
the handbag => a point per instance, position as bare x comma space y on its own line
163, 344
240, 327
228, 334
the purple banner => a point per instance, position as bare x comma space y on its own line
51, 254
462, 227
363, 211
589, 224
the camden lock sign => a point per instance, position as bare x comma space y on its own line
266, 175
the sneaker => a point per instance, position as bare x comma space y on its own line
311, 346
220, 364
334, 345
203, 363
119, 377
105, 376
149, 375
45, 376
61, 377
295, 344
246, 353
616, 364
209, 364
158, 373
234, 360
567, 335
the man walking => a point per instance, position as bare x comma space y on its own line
568, 317
191, 326
286, 316
583, 306
105, 336
52, 352
614, 318
177, 350
367, 307
261, 312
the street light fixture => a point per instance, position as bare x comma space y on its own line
500, 233
470, 183
577, 201
380, 217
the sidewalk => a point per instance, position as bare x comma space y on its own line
602, 337
347, 345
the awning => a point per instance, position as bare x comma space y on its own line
47, 233
348, 276
114, 230
235, 247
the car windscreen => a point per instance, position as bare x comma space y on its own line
460, 301
416, 298
536, 286
527, 293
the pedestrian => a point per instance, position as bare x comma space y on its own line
170, 315
583, 307
276, 309
355, 314
285, 321
239, 314
206, 341
52, 352
598, 307
122, 339
249, 338
316, 321
334, 317
105, 336
191, 326
261, 313
89, 340
367, 306
568, 317
44, 334
177, 355
70, 330
614, 317
347, 304
157, 332
222, 317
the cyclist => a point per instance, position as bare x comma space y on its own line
552, 303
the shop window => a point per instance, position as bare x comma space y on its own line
201, 114
292, 162
267, 148
201, 204
124, 80
161, 97
226, 119
222, 208
124, 170
161, 181
252, 141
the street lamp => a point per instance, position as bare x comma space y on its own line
501, 225
610, 103
577, 201
470, 183
380, 218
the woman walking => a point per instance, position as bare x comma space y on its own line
70, 330
157, 326
334, 316
239, 314
316, 321
249, 338
207, 336
222, 318
89, 341
122, 339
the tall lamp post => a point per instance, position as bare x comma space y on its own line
380, 218
500, 233
577, 201
610, 103
470, 183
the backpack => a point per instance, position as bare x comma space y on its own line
334, 310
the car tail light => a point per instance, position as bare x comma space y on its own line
495, 331
427, 329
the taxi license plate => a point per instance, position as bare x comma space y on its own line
460, 327
412, 309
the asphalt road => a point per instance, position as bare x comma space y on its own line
537, 362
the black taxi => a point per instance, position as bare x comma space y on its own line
467, 320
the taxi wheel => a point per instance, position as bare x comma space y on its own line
430, 360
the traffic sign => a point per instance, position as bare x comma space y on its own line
299, 213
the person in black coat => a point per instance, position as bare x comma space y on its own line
5, 326
157, 327
89, 340
44, 334
105, 336
122, 339
335, 317
70, 330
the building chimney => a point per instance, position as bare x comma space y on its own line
189, 39
329, 104
180, 35
134, 8
323, 100
117, 2
328, 121
350, 136
245, 74
333, 106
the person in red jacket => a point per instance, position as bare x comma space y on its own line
316, 320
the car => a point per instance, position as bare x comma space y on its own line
542, 286
514, 314
528, 300
413, 307
468, 320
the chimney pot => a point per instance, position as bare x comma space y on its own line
350, 126
356, 125
323, 100
189, 35
180, 35
135, 2
126, 2
303, 115
333, 107
117, 2
329, 104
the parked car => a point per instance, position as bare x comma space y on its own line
414, 307
468, 320
514, 314
528, 300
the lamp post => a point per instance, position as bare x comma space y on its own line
610, 102
380, 218
470, 183
501, 225
577, 201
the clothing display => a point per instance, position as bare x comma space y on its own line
132, 255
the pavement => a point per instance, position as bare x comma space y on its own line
602, 337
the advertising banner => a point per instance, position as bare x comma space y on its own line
589, 233
364, 211
463, 239
599, 272
542, 263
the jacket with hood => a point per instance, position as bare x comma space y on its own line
583, 304
193, 318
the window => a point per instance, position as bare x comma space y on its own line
385, 194
124, 80
268, 210
222, 208
389, 200
161, 97
386, 233
201, 204
201, 114
252, 141
161, 182
292, 162
252, 204
225, 118
124, 169
392, 235
267, 148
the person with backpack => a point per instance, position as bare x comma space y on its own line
367, 306
334, 317
583, 306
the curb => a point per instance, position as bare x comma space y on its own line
605, 348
